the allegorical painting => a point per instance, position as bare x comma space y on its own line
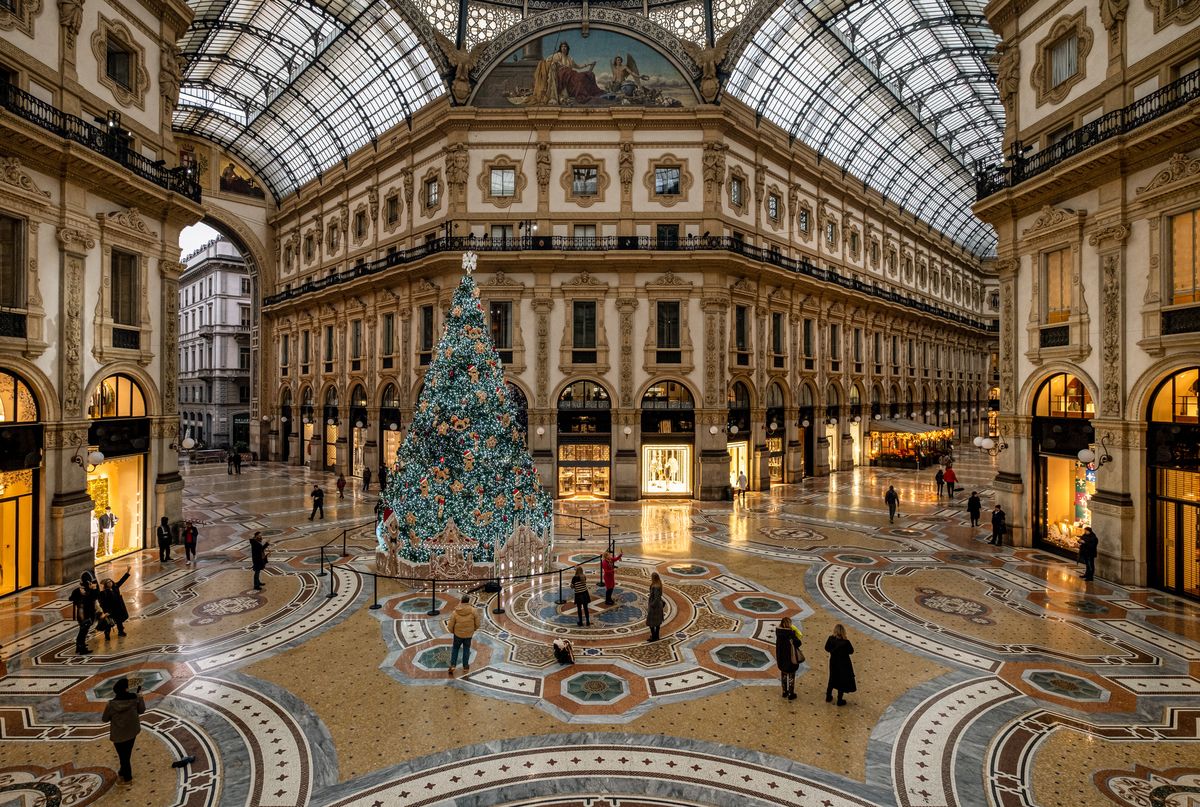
568, 69
235, 179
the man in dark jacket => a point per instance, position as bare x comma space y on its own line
1089, 542
892, 499
974, 508
121, 713
83, 609
318, 500
258, 557
999, 525
366, 478
163, 533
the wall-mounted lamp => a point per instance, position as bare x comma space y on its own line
358, 424
774, 426
330, 421
989, 446
832, 421
90, 462
804, 423
713, 430
393, 426
856, 419
878, 416
187, 444
266, 418
541, 430
1087, 456
628, 430
283, 419
733, 429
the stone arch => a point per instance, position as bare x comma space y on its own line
745, 381
255, 252
785, 394
801, 388
1025, 397
1142, 390
150, 394
575, 380
49, 410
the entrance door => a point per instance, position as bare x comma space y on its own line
16, 537
583, 470
1177, 526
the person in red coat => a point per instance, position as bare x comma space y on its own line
951, 480
608, 574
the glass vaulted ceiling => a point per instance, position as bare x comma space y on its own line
897, 93
293, 87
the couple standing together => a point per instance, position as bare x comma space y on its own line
789, 657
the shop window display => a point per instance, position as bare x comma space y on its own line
667, 469
16, 530
116, 488
739, 461
1173, 456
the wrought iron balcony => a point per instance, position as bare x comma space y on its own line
690, 244
1179, 93
25, 106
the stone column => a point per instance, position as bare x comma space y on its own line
1122, 551
543, 446
793, 449
626, 470
760, 461
1016, 460
713, 484
66, 548
821, 449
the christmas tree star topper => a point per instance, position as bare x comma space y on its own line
468, 262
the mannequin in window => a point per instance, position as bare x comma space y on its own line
107, 523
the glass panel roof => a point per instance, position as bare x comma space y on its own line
296, 87
898, 93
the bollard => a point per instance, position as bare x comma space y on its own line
322, 572
581, 529
433, 610
561, 601
499, 609
332, 581
375, 606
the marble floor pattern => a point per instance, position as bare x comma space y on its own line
986, 676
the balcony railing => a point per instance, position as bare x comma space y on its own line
767, 255
77, 130
1178, 93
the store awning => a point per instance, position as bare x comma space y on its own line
904, 426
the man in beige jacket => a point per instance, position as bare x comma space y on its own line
464, 621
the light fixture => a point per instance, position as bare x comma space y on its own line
393, 426
186, 444
878, 416
978, 441
774, 425
856, 419
992, 447
804, 423
832, 421
329, 421
358, 424
627, 431
713, 430
283, 419
541, 430
1087, 456
266, 418
733, 429
93, 459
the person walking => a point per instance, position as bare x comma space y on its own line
258, 557
579, 585
318, 502
841, 669
655, 607
940, 478
951, 479
84, 610
999, 525
742, 484
366, 477
113, 605
608, 574
122, 715
341, 486
464, 621
892, 498
237, 462
190, 534
163, 533
974, 508
1089, 543
788, 656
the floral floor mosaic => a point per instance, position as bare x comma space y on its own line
986, 676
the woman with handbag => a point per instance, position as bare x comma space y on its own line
788, 656
114, 606
580, 586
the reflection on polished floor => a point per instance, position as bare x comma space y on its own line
986, 676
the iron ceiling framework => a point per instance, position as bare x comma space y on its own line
899, 94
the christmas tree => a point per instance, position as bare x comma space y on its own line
464, 484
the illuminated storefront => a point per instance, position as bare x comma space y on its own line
119, 435
668, 437
833, 432
306, 427
390, 435
358, 430
286, 425
329, 432
1062, 485
20, 471
738, 429
776, 434
584, 441
1173, 456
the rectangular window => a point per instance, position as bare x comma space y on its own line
305, 349
388, 335
392, 208
244, 316
243, 393
1064, 58
360, 224
12, 262
585, 180
1057, 276
858, 345
310, 247
119, 63
285, 350
356, 339
502, 233
432, 192
735, 192
500, 317
666, 180
583, 332
125, 288
1185, 269
426, 334
807, 339
777, 339
741, 338
804, 221
245, 285
328, 343
244, 358
667, 236
831, 233
835, 346
668, 322
773, 207
504, 182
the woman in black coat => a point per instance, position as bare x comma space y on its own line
655, 609
841, 670
114, 604
787, 656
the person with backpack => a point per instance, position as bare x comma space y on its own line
579, 585
892, 499
163, 532
788, 655
463, 623
114, 606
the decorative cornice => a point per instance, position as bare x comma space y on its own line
130, 220
1179, 168
670, 279
1050, 217
11, 174
1117, 232
83, 241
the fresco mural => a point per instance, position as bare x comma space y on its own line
235, 179
568, 69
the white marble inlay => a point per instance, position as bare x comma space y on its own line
1162, 685
1180, 647
36, 684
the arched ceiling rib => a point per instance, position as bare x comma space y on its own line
295, 87
898, 93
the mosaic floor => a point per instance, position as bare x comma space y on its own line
986, 676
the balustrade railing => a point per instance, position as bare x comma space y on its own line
109, 144
1179, 93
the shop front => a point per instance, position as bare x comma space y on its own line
1173, 458
307, 427
738, 430
358, 430
833, 432
584, 441
286, 425
20, 472
668, 440
329, 432
119, 438
390, 435
807, 431
776, 434
1062, 483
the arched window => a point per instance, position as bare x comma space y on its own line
331, 398
358, 397
390, 398
833, 399
806, 396
668, 395
307, 398
739, 396
1063, 396
520, 405
774, 396
583, 408
584, 395
285, 398
739, 410
117, 396
1177, 399
17, 402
